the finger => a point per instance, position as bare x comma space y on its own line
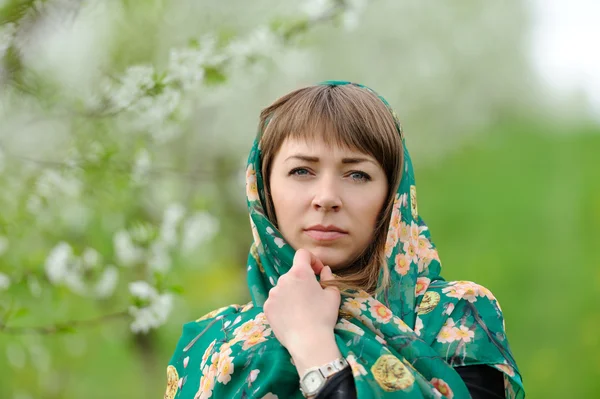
326, 274
301, 264
332, 291
304, 258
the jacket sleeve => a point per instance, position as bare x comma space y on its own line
340, 386
483, 382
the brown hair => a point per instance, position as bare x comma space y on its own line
350, 117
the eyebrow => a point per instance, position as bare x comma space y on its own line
307, 158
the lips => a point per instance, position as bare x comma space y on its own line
325, 233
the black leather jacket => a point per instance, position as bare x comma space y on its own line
483, 382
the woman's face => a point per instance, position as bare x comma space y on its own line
327, 199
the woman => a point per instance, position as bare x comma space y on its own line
331, 189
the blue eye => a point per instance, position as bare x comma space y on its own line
356, 175
361, 176
298, 172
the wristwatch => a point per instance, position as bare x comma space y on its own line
315, 377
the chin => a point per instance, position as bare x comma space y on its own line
330, 257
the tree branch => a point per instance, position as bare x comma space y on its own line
61, 328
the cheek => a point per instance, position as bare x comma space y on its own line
287, 202
370, 206
373, 212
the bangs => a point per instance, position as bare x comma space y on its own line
344, 116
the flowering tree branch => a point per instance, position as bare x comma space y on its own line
64, 327
108, 170
124, 168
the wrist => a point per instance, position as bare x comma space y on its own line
302, 342
313, 351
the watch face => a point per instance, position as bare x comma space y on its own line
312, 381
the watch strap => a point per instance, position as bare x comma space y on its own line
326, 370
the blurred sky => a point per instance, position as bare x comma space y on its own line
566, 46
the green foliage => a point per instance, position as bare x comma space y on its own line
518, 213
15, 10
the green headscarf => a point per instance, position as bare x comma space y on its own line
403, 343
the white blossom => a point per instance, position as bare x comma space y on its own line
72, 157
74, 215
296, 62
4, 282
151, 316
95, 151
134, 84
106, 284
34, 204
201, 227
91, 258
57, 263
186, 67
142, 290
315, 8
73, 278
159, 258
51, 182
166, 132
350, 20
171, 219
260, 42
352, 14
155, 313
127, 252
152, 115
141, 166
64, 268
152, 110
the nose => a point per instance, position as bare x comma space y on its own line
327, 195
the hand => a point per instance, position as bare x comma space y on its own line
301, 313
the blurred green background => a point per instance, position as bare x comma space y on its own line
124, 128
